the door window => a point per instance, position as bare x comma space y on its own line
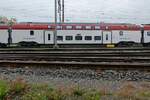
49, 36
31, 33
106, 36
121, 33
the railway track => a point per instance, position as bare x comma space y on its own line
104, 57
77, 49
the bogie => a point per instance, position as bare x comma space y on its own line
28, 44
3, 45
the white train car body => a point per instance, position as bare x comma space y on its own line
75, 33
27, 35
79, 37
134, 36
147, 34
3, 36
48, 37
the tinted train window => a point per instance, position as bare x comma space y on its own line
69, 27
78, 38
78, 27
60, 38
88, 27
59, 27
88, 37
31, 33
49, 36
49, 26
97, 38
121, 33
69, 37
148, 33
97, 27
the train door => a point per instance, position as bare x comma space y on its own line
107, 37
48, 37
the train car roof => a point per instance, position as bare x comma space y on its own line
51, 26
77, 23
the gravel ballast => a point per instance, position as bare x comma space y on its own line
83, 77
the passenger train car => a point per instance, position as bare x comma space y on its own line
76, 34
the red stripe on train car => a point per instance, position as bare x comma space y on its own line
147, 27
30, 27
124, 27
83, 27
3, 27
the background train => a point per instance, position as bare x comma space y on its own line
75, 35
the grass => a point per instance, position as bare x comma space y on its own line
126, 90
78, 91
3, 89
92, 95
18, 85
21, 90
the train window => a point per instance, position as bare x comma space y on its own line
78, 37
88, 37
107, 27
106, 36
31, 33
59, 27
97, 27
69, 37
148, 33
97, 38
88, 27
121, 33
78, 27
49, 26
49, 36
60, 38
68, 27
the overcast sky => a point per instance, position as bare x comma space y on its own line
134, 11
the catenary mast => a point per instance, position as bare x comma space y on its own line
63, 11
59, 9
55, 33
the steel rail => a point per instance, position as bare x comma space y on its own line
79, 65
74, 49
105, 59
